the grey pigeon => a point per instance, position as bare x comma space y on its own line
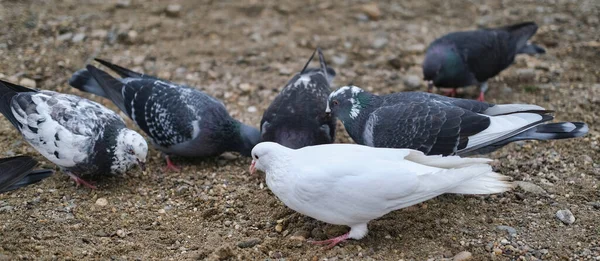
435, 124
468, 58
82, 137
180, 120
17, 172
296, 117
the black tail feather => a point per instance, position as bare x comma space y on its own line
532, 49
31, 178
111, 86
84, 81
308, 62
14, 169
123, 72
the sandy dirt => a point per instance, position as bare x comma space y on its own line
243, 53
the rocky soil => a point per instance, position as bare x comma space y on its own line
243, 52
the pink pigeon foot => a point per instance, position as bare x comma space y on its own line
332, 241
481, 97
80, 181
451, 93
170, 166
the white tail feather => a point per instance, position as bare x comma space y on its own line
511, 108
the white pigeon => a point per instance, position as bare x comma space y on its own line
84, 138
350, 184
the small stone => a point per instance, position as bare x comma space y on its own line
415, 49
504, 241
132, 36
530, 187
412, 82
565, 216
379, 42
99, 34
101, 233
102, 202
246, 87
297, 238
462, 256
279, 228
6, 209
371, 10
497, 251
510, 230
27, 82
587, 159
252, 109
223, 253
78, 38
162, 211
339, 59
526, 75
173, 10
285, 71
395, 62
123, 3
121, 233
64, 37
249, 243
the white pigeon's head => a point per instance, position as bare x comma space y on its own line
346, 102
131, 150
265, 154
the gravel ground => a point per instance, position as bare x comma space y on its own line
243, 53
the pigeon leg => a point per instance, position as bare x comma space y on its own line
451, 93
482, 89
80, 181
332, 242
170, 166
429, 86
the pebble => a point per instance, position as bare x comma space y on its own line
252, 109
249, 243
64, 37
530, 187
123, 3
139, 60
6, 208
246, 87
78, 38
504, 241
497, 251
412, 82
162, 211
379, 42
102, 202
99, 34
173, 10
526, 74
279, 228
510, 230
415, 49
371, 10
27, 82
464, 255
565, 216
339, 59
121, 233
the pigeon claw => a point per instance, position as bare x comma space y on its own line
451, 93
80, 181
170, 166
330, 243
481, 97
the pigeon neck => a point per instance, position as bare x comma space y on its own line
354, 121
239, 137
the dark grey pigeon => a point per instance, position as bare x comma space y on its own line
296, 117
180, 120
82, 137
439, 125
17, 172
468, 58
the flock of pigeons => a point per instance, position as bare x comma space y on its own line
414, 140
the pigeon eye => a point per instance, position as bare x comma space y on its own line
255, 157
130, 151
335, 102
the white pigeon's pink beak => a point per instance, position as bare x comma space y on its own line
252, 168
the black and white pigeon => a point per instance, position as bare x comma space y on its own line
440, 125
350, 184
295, 118
468, 58
180, 120
82, 137
17, 172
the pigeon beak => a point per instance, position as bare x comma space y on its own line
142, 165
252, 167
328, 110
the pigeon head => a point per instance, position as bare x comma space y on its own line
131, 150
250, 137
347, 102
265, 155
442, 62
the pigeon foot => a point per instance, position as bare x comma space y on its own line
451, 93
80, 181
332, 242
481, 97
170, 166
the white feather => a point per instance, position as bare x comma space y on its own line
511, 108
503, 125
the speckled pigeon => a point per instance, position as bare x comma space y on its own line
468, 58
17, 172
82, 137
180, 120
296, 117
435, 124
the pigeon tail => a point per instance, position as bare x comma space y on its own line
532, 49
553, 131
123, 72
84, 81
31, 178
7, 92
485, 181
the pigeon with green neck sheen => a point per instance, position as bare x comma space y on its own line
461, 59
180, 120
439, 125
